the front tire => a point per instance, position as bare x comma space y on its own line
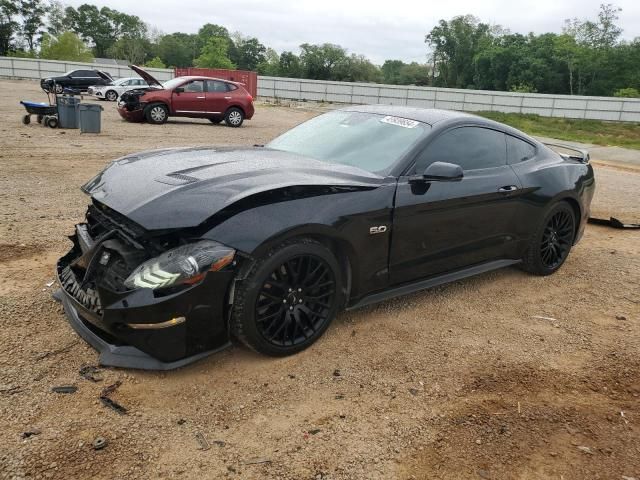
288, 299
234, 117
550, 246
156, 113
111, 96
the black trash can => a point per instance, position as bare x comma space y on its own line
68, 111
90, 118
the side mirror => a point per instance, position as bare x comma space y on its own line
178, 90
439, 172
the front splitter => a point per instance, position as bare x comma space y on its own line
123, 356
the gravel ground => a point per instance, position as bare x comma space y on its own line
504, 375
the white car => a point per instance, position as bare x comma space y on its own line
115, 89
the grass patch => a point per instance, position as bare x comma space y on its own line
621, 134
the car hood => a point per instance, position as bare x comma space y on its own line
180, 188
146, 76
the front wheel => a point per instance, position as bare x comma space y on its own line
288, 299
234, 117
26, 120
550, 246
156, 113
111, 95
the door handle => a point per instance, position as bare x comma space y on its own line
200, 97
227, 98
508, 189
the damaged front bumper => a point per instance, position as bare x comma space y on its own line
140, 329
136, 115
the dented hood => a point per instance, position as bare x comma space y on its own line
179, 188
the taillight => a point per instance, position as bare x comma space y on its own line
250, 97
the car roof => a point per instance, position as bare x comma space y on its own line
433, 116
424, 115
199, 77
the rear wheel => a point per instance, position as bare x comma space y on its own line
58, 88
156, 113
288, 299
111, 95
51, 122
234, 117
552, 242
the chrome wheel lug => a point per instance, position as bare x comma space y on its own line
300, 301
299, 289
290, 308
284, 301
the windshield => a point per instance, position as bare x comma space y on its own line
121, 81
173, 83
368, 141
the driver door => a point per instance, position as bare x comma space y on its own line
190, 101
441, 226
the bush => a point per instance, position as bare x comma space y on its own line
627, 92
155, 62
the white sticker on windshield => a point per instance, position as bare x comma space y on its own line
401, 122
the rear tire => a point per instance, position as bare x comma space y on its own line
234, 117
288, 299
550, 245
156, 113
58, 88
51, 122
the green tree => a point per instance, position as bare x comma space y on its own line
455, 43
214, 54
178, 49
56, 21
270, 66
8, 24
32, 13
627, 93
133, 50
155, 62
289, 65
414, 74
322, 62
247, 52
103, 27
68, 46
391, 71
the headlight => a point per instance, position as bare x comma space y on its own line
186, 264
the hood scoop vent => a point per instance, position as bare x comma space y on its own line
176, 179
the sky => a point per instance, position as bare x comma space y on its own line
393, 29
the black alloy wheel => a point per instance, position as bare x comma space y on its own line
295, 301
550, 246
288, 299
557, 238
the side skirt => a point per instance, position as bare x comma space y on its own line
432, 282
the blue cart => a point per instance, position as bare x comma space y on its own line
46, 114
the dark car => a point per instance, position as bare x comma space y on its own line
192, 97
185, 249
77, 80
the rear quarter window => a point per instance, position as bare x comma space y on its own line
519, 150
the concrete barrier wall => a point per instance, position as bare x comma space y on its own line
599, 108
37, 69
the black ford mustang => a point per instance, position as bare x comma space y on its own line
185, 249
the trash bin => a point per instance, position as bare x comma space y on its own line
68, 111
90, 118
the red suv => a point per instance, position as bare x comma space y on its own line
194, 97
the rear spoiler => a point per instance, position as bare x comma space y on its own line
569, 153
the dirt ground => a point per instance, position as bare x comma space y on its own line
503, 376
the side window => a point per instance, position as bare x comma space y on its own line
470, 147
80, 73
231, 87
216, 86
196, 86
91, 73
519, 150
